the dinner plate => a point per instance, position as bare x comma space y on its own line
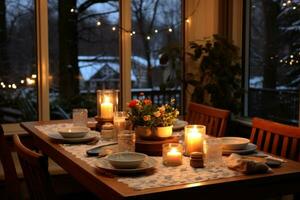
234, 143
104, 164
249, 149
179, 124
87, 138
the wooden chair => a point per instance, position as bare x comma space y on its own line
35, 170
276, 138
214, 119
12, 185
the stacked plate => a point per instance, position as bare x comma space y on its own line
73, 135
126, 163
237, 145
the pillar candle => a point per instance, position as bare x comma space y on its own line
106, 108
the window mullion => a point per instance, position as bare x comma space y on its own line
42, 59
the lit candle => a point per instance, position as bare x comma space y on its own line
194, 139
174, 157
172, 154
106, 108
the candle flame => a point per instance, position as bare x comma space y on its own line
173, 150
106, 99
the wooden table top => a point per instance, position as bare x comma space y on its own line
284, 180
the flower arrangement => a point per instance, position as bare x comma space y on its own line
144, 113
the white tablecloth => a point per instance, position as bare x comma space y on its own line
163, 176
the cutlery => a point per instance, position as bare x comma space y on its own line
95, 150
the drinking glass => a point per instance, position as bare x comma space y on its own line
80, 116
213, 152
119, 122
126, 141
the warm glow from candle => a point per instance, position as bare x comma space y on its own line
194, 140
174, 157
106, 108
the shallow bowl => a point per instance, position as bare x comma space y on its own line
73, 132
234, 143
126, 160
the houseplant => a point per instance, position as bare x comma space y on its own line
218, 82
150, 121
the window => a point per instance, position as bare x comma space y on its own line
18, 73
274, 60
84, 53
156, 49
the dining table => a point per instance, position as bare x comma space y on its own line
282, 180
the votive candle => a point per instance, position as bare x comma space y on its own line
172, 154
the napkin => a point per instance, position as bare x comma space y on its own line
246, 166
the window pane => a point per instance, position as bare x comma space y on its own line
18, 71
84, 53
274, 60
156, 49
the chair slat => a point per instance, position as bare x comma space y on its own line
267, 142
284, 147
275, 144
293, 151
260, 138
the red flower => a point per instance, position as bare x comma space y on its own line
133, 103
147, 101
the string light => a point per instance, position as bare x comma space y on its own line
156, 31
113, 28
4, 86
148, 37
133, 32
33, 76
14, 86
98, 23
188, 20
9, 86
294, 7
22, 81
73, 10
170, 30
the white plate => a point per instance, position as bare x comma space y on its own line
73, 132
88, 137
249, 149
234, 143
179, 124
104, 164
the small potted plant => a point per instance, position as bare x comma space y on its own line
152, 122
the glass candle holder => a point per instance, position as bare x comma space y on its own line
107, 103
193, 138
172, 154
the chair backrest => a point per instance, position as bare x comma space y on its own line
276, 138
35, 170
214, 119
12, 186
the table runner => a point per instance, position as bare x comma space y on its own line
163, 176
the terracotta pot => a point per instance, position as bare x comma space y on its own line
154, 133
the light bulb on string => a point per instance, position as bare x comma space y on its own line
156, 31
98, 23
188, 20
113, 28
170, 30
148, 37
133, 32
22, 81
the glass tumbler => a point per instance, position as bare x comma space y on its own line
80, 116
126, 141
212, 152
119, 122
